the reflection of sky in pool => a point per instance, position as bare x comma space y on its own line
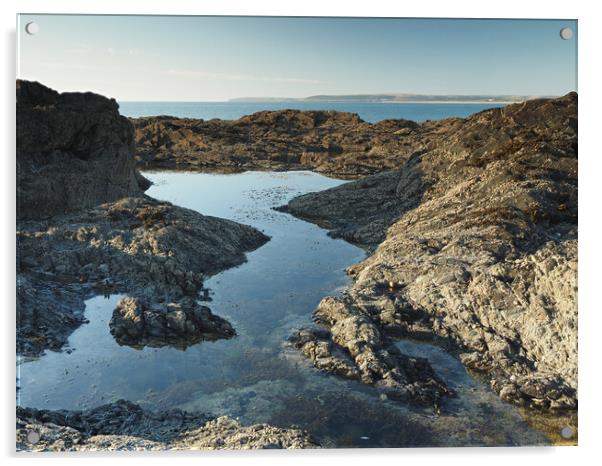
255, 376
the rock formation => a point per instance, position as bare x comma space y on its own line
126, 426
355, 347
85, 227
136, 323
333, 143
471, 226
473, 243
73, 151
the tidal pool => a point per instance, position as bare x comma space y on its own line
256, 376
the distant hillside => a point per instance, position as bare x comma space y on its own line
416, 98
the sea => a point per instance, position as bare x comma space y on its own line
368, 111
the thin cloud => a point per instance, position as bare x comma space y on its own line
34, 64
80, 49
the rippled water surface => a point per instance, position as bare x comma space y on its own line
256, 376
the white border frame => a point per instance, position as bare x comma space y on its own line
589, 169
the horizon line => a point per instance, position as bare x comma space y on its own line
336, 98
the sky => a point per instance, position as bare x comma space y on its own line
179, 58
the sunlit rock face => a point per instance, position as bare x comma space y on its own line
474, 240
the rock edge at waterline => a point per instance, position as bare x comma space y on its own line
84, 227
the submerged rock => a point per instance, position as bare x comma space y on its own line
124, 425
473, 242
355, 347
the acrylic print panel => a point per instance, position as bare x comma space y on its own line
268, 232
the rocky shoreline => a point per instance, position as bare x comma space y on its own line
149, 250
473, 245
351, 343
470, 225
336, 144
125, 426
77, 238
85, 227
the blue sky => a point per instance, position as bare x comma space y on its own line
171, 58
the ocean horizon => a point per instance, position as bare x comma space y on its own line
371, 112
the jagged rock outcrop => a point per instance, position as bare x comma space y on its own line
124, 425
474, 243
355, 347
334, 143
85, 227
73, 151
136, 323
149, 249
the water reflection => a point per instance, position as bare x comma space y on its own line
256, 376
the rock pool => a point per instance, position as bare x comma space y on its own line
257, 376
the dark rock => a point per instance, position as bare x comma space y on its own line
334, 143
136, 323
73, 152
84, 226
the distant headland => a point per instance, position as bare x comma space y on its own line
397, 98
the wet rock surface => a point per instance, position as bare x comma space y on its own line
334, 143
473, 243
124, 425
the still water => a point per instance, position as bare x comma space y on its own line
256, 376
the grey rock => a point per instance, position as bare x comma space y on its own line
355, 347
124, 425
137, 323
84, 226
151, 250
477, 233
